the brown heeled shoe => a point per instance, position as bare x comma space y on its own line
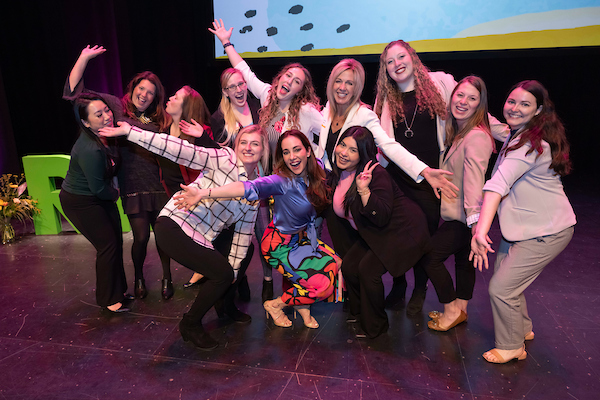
435, 323
277, 314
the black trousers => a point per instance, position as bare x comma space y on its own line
210, 263
100, 223
425, 198
362, 271
451, 238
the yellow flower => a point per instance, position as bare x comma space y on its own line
13, 186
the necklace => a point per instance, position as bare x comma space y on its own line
408, 133
144, 120
337, 121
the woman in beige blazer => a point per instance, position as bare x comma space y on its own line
469, 144
536, 218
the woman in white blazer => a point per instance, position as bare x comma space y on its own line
412, 103
536, 218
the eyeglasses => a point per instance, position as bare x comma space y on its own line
233, 88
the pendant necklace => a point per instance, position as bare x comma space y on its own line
408, 133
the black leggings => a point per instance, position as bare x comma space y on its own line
208, 262
140, 226
100, 223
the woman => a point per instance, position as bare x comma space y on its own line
185, 105
290, 243
469, 146
88, 195
536, 218
141, 192
237, 110
392, 229
288, 103
411, 103
187, 235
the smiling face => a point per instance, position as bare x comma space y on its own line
399, 67
249, 148
143, 95
236, 90
295, 155
520, 107
175, 104
343, 88
346, 154
464, 102
289, 85
99, 116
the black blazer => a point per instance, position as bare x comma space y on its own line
393, 226
217, 120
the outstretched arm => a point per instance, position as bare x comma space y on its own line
224, 35
79, 68
191, 195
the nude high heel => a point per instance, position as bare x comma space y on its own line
309, 320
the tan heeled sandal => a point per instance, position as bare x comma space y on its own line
277, 314
304, 312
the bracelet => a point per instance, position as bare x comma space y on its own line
209, 190
364, 191
226, 45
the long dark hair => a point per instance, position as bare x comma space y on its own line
318, 191
156, 110
113, 157
544, 126
367, 151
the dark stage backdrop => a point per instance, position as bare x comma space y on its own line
40, 41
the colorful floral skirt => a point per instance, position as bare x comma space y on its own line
312, 273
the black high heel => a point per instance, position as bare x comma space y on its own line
199, 282
140, 289
232, 312
415, 304
167, 289
198, 336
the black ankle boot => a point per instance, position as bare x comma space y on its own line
140, 289
167, 289
244, 289
197, 336
415, 304
397, 295
267, 290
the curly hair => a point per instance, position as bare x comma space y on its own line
318, 191
544, 126
156, 110
306, 95
478, 119
427, 94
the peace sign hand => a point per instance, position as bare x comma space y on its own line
364, 178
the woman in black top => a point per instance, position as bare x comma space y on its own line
142, 194
88, 197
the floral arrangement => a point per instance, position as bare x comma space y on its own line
14, 204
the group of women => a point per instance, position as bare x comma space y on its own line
279, 163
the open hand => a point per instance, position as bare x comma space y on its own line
92, 52
194, 129
122, 130
220, 32
440, 184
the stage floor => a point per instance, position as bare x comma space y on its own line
55, 344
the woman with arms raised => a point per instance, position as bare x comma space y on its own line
536, 218
141, 191
88, 195
187, 235
290, 243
